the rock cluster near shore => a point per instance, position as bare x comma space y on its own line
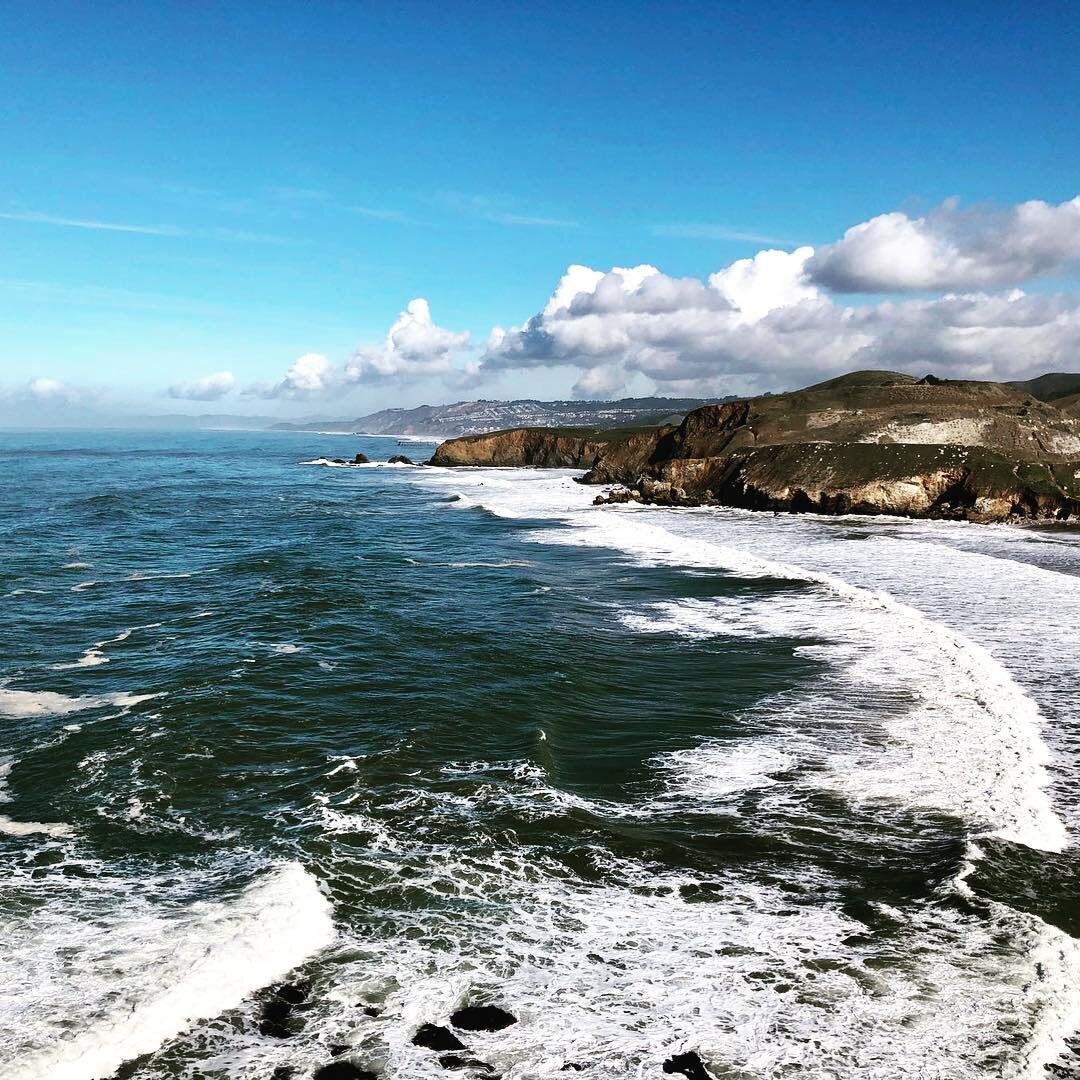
281, 1017
866, 443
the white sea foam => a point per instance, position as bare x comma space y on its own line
146, 971
26, 703
971, 742
964, 996
91, 658
95, 655
31, 828
624, 969
284, 648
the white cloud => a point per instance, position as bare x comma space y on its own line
415, 348
35, 217
207, 388
310, 375
48, 393
640, 319
601, 383
952, 248
501, 210
49, 389
763, 324
705, 231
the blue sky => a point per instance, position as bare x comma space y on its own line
206, 188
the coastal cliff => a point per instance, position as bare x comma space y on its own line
869, 442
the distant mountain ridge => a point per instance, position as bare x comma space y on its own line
476, 417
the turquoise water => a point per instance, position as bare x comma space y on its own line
795, 794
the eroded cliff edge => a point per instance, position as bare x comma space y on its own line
870, 442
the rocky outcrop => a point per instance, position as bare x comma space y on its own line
552, 448
482, 1018
435, 1037
969, 483
870, 442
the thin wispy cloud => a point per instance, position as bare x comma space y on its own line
500, 210
300, 195
238, 236
706, 231
35, 217
378, 214
529, 221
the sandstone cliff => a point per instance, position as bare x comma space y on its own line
869, 442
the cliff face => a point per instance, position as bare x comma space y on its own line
870, 442
568, 448
970, 483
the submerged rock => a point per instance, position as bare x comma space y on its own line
294, 993
456, 1061
437, 1038
342, 1070
275, 1013
482, 1018
688, 1064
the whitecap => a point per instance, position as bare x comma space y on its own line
26, 703
146, 972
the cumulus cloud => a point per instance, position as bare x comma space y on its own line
951, 248
208, 388
46, 389
44, 394
601, 383
415, 348
769, 322
639, 319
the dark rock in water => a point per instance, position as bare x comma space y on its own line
360, 459
342, 1070
274, 1014
400, 459
573, 1066
482, 1018
456, 1061
437, 1038
337, 1049
370, 1010
689, 1064
339, 461
283, 1072
293, 993
272, 1019
276, 1009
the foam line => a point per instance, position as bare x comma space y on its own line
145, 977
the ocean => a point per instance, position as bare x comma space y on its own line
798, 795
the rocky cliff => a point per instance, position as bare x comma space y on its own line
869, 442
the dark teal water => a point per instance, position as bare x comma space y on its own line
423, 739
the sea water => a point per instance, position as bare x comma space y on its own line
797, 794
